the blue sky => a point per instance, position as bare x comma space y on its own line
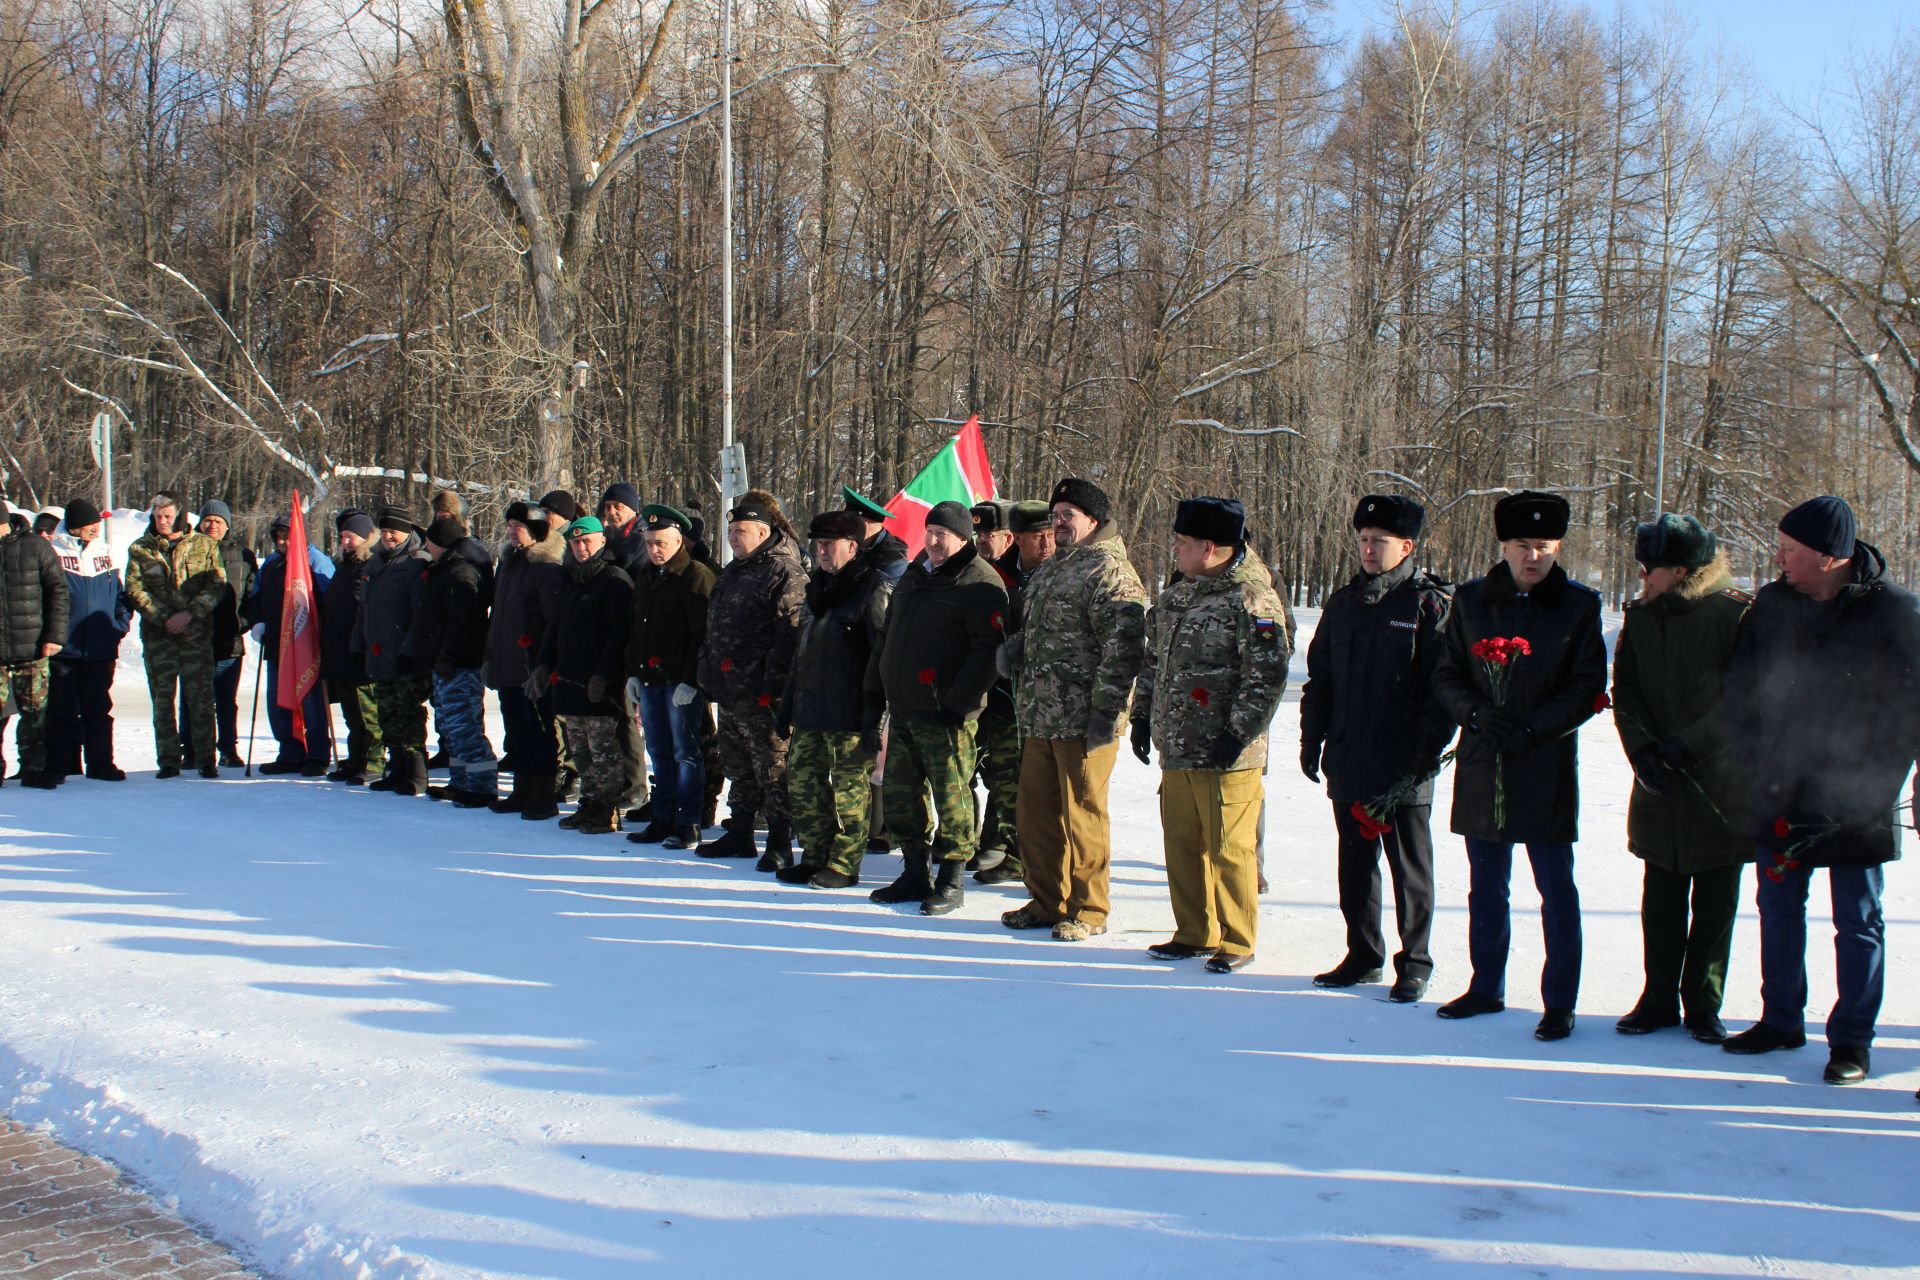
1790, 44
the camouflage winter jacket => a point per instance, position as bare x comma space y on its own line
1217, 663
167, 575
1084, 624
753, 624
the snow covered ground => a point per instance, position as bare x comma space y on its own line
359, 1036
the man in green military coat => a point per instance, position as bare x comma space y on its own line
1686, 818
176, 580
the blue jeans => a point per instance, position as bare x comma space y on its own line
1490, 928
1859, 950
673, 743
313, 707
459, 713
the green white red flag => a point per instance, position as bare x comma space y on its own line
958, 473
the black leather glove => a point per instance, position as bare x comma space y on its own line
870, 742
1651, 771
1225, 750
1141, 739
444, 668
597, 686
1310, 760
1505, 729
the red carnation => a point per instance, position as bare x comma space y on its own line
926, 675
554, 678
1202, 697
765, 699
726, 665
1601, 702
653, 661
1520, 646
376, 650
525, 642
1782, 828
423, 575
1775, 874
1791, 864
998, 622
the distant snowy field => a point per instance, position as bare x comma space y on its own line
365, 1037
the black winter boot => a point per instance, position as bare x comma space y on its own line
512, 802
654, 832
409, 773
949, 891
779, 852
913, 885
737, 843
536, 797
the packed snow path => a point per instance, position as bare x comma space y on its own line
361, 1036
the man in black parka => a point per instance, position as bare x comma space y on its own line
1369, 720
1516, 777
448, 639
1823, 696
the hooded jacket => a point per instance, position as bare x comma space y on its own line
935, 663
1669, 672
1823, 699
526, 596
1555, 689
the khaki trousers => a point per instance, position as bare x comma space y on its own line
1061, 815
1209, 818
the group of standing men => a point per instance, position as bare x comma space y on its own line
1773, 729
1015, 648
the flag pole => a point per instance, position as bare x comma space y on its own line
726, 257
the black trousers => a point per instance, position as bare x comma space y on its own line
79, 714
529, 736
1686, 958
1409, 849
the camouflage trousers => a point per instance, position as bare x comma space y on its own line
184, 662
400, 707
25, 694
999, 748
361, 708
754, 757
600, 747
925, 757
828, 780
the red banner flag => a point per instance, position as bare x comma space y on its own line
299, 657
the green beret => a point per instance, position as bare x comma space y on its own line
585, 525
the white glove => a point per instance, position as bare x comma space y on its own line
636, 689
259, 633
684, 694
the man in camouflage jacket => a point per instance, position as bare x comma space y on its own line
1217, 665
176, 581
1081, 643
753, 625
